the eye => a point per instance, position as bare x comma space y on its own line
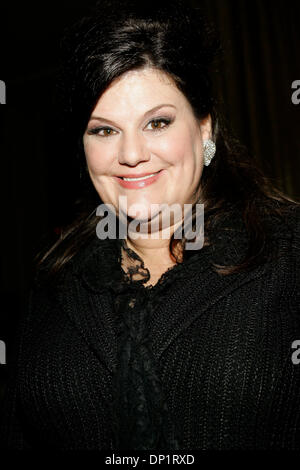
108, 131
156, 124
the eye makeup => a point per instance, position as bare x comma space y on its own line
165, 120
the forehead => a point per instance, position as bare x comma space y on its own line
140, 90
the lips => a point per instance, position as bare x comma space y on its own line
139, 181
138, 175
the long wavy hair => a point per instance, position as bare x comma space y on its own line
172, 37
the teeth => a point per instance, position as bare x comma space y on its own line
138, 179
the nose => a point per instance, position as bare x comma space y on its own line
132, 150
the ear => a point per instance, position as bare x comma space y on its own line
206, 127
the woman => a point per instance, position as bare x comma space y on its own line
141, 343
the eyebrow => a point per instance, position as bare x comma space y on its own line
99, 118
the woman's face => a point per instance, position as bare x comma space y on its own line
142, 124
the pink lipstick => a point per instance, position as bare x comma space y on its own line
137, 181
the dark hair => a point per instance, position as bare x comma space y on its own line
172, 37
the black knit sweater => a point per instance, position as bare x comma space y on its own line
200, 361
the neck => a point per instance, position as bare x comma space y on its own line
154, 250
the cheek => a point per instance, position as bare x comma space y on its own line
179, 148
96, 161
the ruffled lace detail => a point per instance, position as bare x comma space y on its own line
141, 419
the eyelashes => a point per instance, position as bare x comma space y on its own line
165, 121
96, 130
159, 120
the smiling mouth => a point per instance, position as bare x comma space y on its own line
131, 181
140, 178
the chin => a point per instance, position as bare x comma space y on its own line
142, 216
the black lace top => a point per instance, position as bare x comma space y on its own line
141, 416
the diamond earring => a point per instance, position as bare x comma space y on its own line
209, 150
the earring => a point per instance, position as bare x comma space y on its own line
209, 150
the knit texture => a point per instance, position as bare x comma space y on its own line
200, 361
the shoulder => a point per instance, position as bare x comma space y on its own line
286, 226
293, 221
283, 244
272, 232
95, 262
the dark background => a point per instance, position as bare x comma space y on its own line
261, 42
